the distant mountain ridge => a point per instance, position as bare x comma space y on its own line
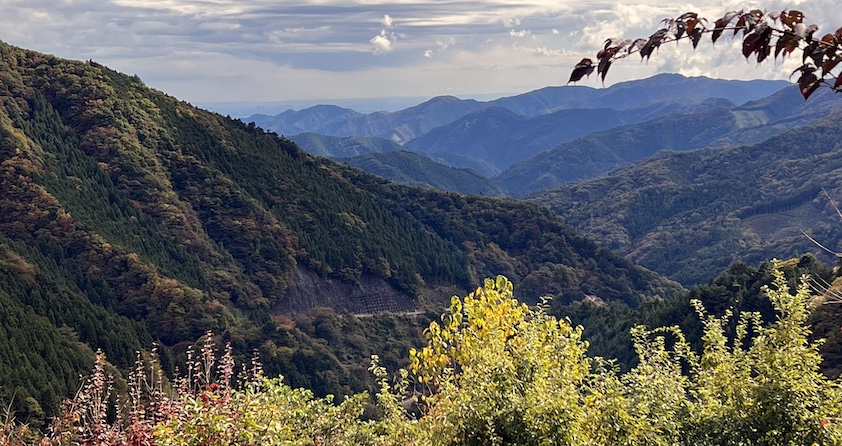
410, 123
504, 138
597, 153
491, 136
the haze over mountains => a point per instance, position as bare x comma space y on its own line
412, 122
490, 137
713, 123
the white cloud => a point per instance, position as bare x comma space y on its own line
428, 54
383, 42
519, 34
387, 21
510, 22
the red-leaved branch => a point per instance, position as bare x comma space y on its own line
764, 34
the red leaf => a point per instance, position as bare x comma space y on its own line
602, 70
654, 42
791, 18
750, 44
808, 83
696, 37
786, 43
582, 69
764, 38
718, 28
741, 24
830, 64
808, 51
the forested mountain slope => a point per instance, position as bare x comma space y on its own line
719, 124
404, 166
127, 216
342, 147
689, 215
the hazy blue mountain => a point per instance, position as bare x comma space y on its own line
690, 214
399, 126
597, 153
418, 170
404, 125
478, 165
342, 147
503, 138
292, 122
637, 93
393, 162
667, 86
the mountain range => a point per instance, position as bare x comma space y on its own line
491, 136
600, 141
410, 123
714, 123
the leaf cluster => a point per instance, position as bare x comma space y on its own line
784, 31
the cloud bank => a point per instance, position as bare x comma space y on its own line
248, 50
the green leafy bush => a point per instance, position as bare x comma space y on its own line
496, 372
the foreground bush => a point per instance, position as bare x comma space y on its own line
495, 372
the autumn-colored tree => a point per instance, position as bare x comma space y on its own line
780, 33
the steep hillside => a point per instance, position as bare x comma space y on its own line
338, 147
712, 124
689, 215
130, 217
416, 169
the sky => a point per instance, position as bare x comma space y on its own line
314, 51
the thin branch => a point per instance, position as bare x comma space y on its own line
820, 245
832, 203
